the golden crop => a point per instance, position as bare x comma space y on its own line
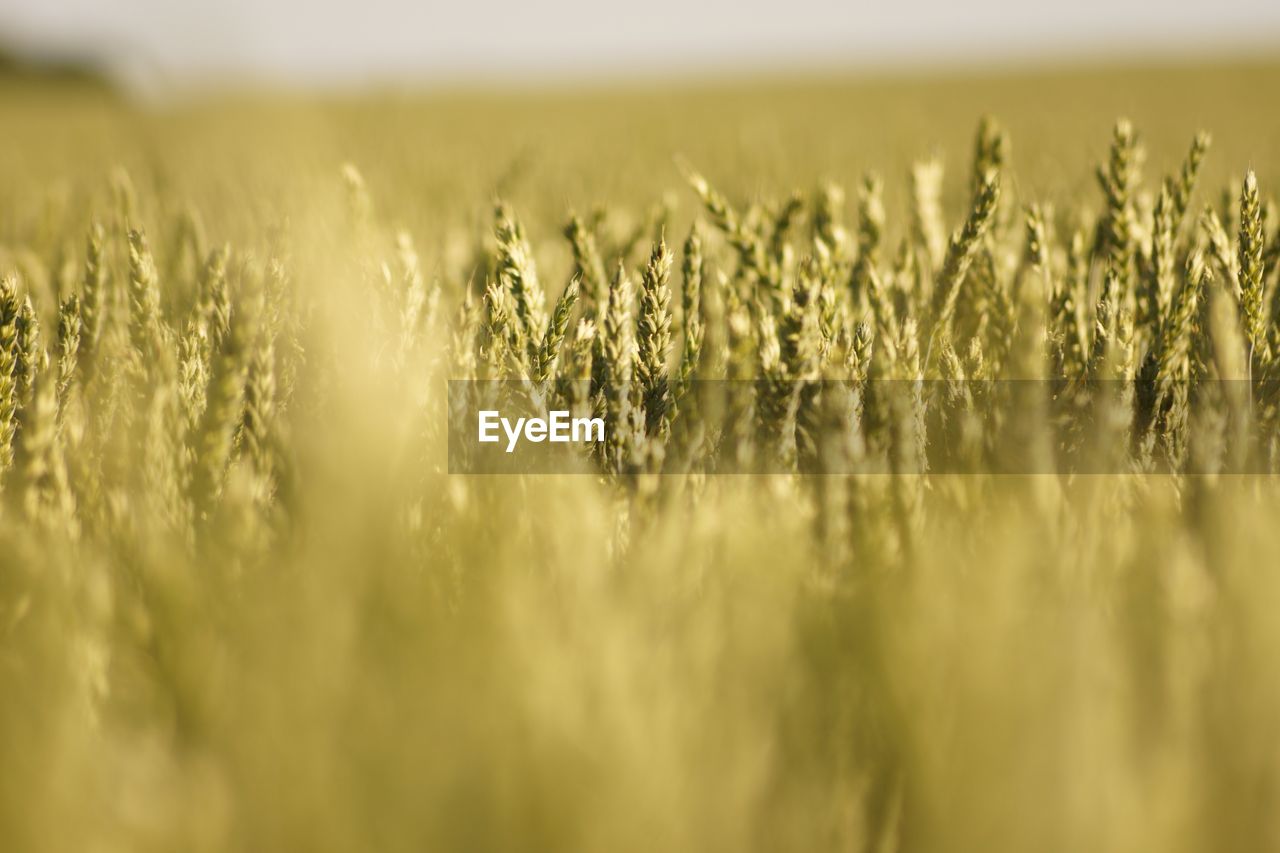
245, 606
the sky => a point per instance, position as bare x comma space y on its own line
314, 41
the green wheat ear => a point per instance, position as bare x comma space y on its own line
1119, 181
588, 265
144, 298
46, 497
553, 339
1250, 271
752, 251
871, 224
29, 350
213, 306
93, 288
990, 152
961, 252
693, 270
9, 361
70, 334
1162, 249
827, 228
258, 421
214, 439
516, 272
786, 217
653, 336
611, 368
1185, 184
1220, 248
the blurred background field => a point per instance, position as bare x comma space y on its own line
435, 161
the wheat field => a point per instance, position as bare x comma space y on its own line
971, 547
